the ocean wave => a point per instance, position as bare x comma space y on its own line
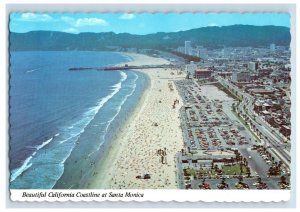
73, 130
17, 172
119, 108
26, 164
124, 100
117, 85
91, 113
32, 70
73, 135
123, 76
46, 142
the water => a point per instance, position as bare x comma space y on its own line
60, 120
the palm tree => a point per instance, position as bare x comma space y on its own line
248, 172
259, 180
216, 168
223, 181
280, 163
233, 107
240, 179
188, 75
241, 168
245, 161
283, 179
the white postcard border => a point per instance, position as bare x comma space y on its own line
152, 195
179, 195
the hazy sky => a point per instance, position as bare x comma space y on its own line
140, 23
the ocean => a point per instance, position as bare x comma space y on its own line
61, 121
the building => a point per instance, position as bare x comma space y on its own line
272, 47
202, 52
261, 91
187, 47
252, 86
257, 107
252, 66
264, 72
191, 68
242, 76
202, 73
285, 130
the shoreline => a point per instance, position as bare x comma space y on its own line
67, 179
113, 149
127, 157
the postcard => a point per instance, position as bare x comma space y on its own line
150, 106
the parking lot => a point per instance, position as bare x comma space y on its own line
208, 124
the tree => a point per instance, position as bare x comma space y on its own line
240, 179
232, 160
233, 107
283, 179
241, 168
259, 180
245, 161
188, 75
248, 172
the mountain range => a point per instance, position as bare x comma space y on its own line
210, 37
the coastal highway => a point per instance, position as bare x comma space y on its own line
248, 101
274, 140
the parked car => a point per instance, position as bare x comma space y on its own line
145, 176
262, 186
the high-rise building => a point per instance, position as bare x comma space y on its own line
272, 47
187, 47
252, 66
191, 68
242, 76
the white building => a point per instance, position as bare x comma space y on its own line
191, 68
272, 47
242, 76
252, 66
187, 47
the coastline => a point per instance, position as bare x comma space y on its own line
134, 150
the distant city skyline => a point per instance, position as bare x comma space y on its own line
138, 23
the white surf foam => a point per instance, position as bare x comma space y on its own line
26, 164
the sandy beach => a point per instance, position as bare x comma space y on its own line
149, 140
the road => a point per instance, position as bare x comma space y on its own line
272, 137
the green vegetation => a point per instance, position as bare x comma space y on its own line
210, 37
234, 170
244, 123
201, 171
226, 170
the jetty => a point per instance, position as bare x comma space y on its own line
119, 68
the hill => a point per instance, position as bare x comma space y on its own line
211, 37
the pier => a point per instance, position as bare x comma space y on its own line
119, 68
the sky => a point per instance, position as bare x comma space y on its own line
138, 23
